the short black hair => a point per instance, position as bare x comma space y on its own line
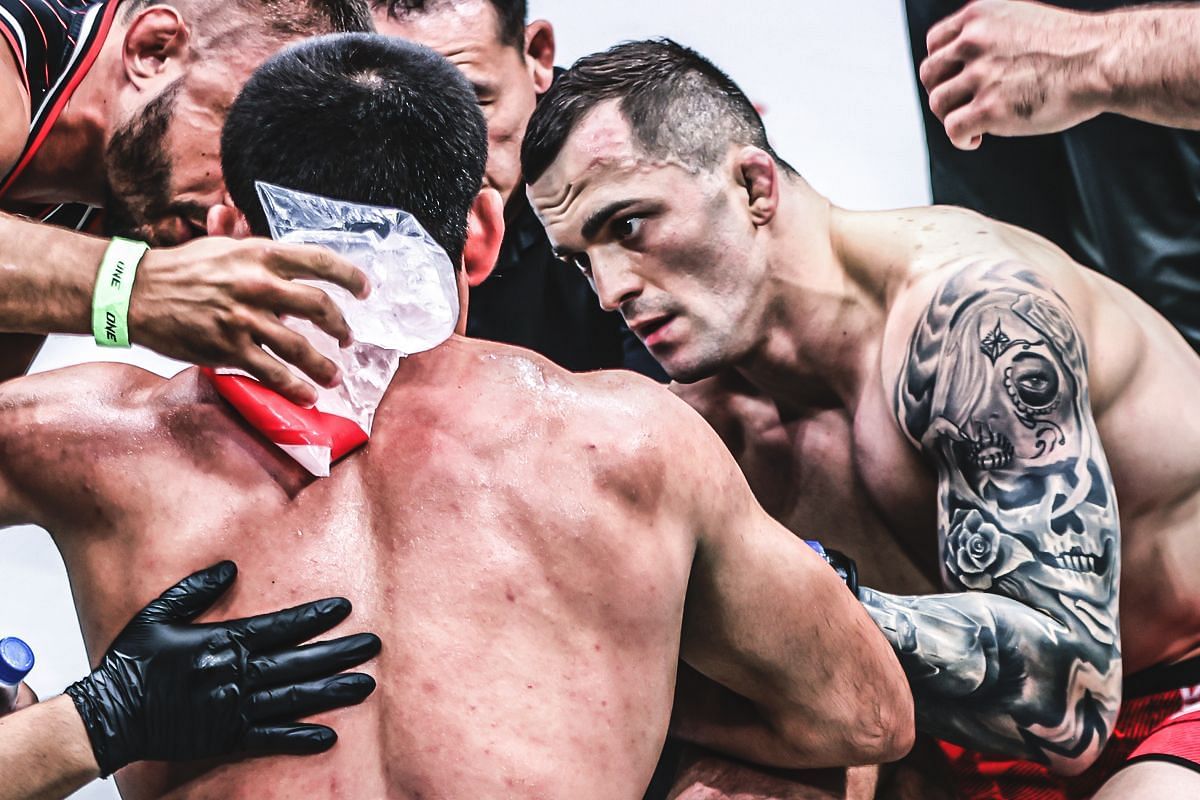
364, 118
676, 101
511, 15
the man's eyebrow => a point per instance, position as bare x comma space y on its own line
597, 219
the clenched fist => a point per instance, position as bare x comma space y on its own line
1014, 68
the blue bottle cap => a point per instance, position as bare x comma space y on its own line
16, 659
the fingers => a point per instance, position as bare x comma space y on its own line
966, 126
312, 262
290, 627
953, 88
312, 661
297, 740
297, 351
190, 597
952, 95
938, 68
946, 31
316, 306
297, 701
273, 374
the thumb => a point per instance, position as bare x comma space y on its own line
190, 597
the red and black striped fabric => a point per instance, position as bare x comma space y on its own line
54, 42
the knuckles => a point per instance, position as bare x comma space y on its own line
256, 285
975, 39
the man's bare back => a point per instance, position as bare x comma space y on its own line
518, 538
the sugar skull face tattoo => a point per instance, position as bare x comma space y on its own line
1026, 661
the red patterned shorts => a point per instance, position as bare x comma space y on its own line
1159, 720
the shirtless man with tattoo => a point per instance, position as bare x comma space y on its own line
536, 549
916, 379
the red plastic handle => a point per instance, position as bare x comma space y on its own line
284, 422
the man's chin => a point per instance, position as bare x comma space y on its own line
683, 370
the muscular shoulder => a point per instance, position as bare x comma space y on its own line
995, 328
628, 432
77, 395
68, 420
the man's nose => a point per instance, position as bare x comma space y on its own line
616, 282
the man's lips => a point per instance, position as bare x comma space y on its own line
653, 330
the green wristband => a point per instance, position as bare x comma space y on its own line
114, 285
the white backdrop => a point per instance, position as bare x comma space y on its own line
841, 108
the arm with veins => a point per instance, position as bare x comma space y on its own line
1024, 659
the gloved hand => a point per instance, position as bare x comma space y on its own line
171, 691
842, 564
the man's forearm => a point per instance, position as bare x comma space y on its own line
45, 752
1150, 64
47, 276
997, 676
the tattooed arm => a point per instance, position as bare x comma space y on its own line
1024, 660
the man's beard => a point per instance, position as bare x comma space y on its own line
139, 169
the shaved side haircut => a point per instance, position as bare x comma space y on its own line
676, 101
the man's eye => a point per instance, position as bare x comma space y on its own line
627, 227
484, 95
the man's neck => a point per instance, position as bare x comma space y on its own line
69, 165
826, 320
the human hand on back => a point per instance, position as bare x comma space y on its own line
170, 690
216, 301
1013, 68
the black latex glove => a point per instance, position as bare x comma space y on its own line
167, 690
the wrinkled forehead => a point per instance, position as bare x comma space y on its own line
600, 154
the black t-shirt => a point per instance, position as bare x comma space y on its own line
535, 301
1119, 195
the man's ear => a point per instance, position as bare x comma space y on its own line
539, 54
156, 46
758, 174
485, 232
224, 219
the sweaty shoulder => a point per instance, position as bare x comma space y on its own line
78, 396
626, 430
58, 429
